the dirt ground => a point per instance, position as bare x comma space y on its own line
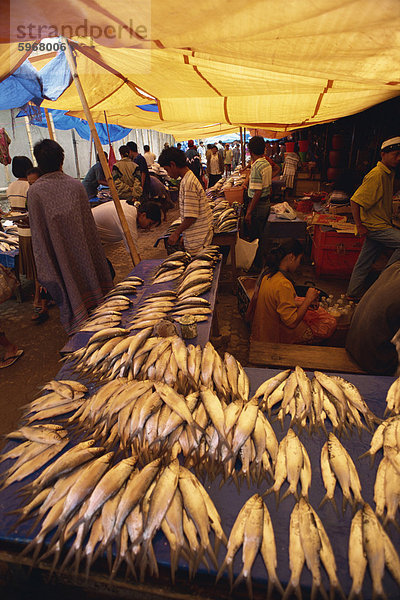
20, 383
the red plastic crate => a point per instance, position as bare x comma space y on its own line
335, 253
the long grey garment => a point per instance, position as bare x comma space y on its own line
70, 260
375, 321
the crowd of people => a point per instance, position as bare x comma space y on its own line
61, 239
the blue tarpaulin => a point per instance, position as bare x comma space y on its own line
64, 121
23, 86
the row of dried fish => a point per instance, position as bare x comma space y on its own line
224, 217
172, 267
369, 545
38, 444
65, 396
337, 465
311, 402
113, 353
8, 241
83, 499
309, 543
387, 481
292, 464
393, 398
253, 531
108, 313
152, 418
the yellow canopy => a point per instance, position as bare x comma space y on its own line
260, 64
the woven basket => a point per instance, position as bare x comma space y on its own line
234, 194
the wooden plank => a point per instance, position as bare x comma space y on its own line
309, 357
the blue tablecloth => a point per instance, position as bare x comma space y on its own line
145, 270
7, 259
228, 502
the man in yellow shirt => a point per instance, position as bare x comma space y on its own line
371, 206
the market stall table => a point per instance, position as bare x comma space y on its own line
228, 238
285, 228
228, 502
145, 270
8, 259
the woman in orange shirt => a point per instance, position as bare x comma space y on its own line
277, 316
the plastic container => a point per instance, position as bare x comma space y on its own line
188, 327
337, 158
339, 142
303, 145
333, 173
234, 194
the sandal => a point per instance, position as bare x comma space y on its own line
40, 316
7, 362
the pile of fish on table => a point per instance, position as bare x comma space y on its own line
8, 241
191, 275
126, 457
109, 312
311, 402
225, 218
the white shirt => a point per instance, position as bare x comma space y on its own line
108, 223
150, 158
202, 151
193, 202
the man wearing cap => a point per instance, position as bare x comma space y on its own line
193, 160
371, 206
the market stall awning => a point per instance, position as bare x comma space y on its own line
261, 64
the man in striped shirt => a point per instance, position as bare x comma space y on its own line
259, 196
195, 212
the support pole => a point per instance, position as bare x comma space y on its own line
28, 133
242, 151
7, 170
49, 124
78, 174
90, 151
106, 169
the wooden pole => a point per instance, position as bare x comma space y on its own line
49, 126
106, 169
28, 133
108, 131
52, 125
78, 174
90, 151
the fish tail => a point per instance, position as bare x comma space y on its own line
288, 591
221, 570
367, 453
322, 591
211, 554
323, 501
238, 580
286, 494
55, 561
77, 559
130, 566
249, 587
143, 563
